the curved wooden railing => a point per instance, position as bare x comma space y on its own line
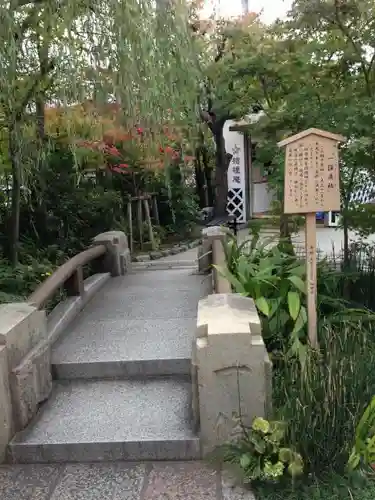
69, 276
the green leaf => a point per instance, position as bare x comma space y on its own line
298, 283
263, 306
295, 468
243, 268
235, 282
353, 461
285, 455
274, 305
303, 314
245, 460
294, 304
300, 322
298, 271
258, 442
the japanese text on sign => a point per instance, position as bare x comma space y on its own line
311, 176
235, 165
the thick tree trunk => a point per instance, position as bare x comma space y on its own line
221, 173
216, 126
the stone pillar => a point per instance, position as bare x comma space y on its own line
6, 425
117, 260
231, 370
23, 333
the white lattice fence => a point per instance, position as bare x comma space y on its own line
236, 204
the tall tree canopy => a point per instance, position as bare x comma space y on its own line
315, 69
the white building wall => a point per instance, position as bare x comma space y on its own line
262, 198
234, 144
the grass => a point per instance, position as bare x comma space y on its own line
329, 487
324, 402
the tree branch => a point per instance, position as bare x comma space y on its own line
357, 50
16, 4
17, 115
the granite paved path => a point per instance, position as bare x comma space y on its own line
118, 481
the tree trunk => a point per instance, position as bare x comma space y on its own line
14, 154
40, 118
222, 158
199, 179
209, 192
221, 173
346, 263
285, 244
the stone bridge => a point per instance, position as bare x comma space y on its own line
139, 362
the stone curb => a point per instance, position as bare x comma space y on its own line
158, 254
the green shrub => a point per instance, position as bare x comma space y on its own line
17, 284
260, 453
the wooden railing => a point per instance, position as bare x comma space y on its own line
68, 276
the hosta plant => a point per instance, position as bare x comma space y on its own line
276, 282
260, 453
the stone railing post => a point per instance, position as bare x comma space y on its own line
23, 339
117, 260
231, 370
211, 253
6, 411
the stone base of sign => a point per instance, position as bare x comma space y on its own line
231, 369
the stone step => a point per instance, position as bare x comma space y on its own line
94, 421
115, 369
123, 347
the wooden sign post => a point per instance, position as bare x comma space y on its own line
311, 184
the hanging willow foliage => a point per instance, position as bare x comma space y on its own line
137, 53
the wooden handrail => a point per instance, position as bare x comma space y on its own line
69, 274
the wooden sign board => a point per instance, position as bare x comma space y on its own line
311, 184
311, 181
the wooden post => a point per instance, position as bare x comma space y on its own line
155, 210
140, 222
130, 224
149, 224
311, 184
310, 240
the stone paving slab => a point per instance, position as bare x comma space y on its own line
147, 315
117, 481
